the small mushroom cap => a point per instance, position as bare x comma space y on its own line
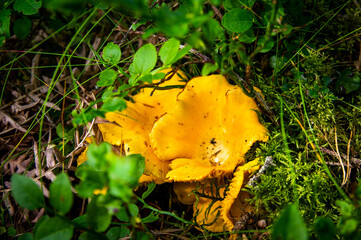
207, 133
235, 205
183, 190
132, 126
221, 215
207, 214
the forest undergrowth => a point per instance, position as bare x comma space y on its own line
66, 65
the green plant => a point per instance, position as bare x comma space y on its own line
99, 54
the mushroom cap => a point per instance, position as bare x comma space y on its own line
206, 134
183, 190
221, 215
132, 126
234, 206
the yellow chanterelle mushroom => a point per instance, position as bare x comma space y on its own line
212, 125
193, 137
130, 128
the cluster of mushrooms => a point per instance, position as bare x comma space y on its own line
195, 137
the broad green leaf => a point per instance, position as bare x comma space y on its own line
88, 236
11, 231
54, 229
144, 59
151, 186
238, 20
5, 23
158, 76
213, 30
116, 233
122, 214
26, 236
181, 53
233, 4
208, 68
26, 192
107, 78
168, 51
290, 225
247, 37
152, 217
141, 236
60, 131
22, 27
61, 196
98, 216
324, 228
346, 208
81, 220
112, 53
27, 7
96, 155
348, 226
349, 81
146, 78
92, 179
133, 209
131, 167
114, 104
267, 46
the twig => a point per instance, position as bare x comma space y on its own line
355, 161
267, 163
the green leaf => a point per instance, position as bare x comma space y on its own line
116, 233
131, 167
27, 7
60, 131
349, 81
11, 231
107, 78
324, 228
112, 53
54, 229
348, 227
152, 217
5, 22
266, 46
247, 37
26, 192
346, 208
144, 59
133, 209
88, 236
81, 220
122, 214
168, 51
92, 179
22, 27
213, 30
61, 196
141, 236
290, 225
114, 104
26, 236
151, 186
208, 68
238, 20
181, 53
232, 4
146, 78
98, 216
